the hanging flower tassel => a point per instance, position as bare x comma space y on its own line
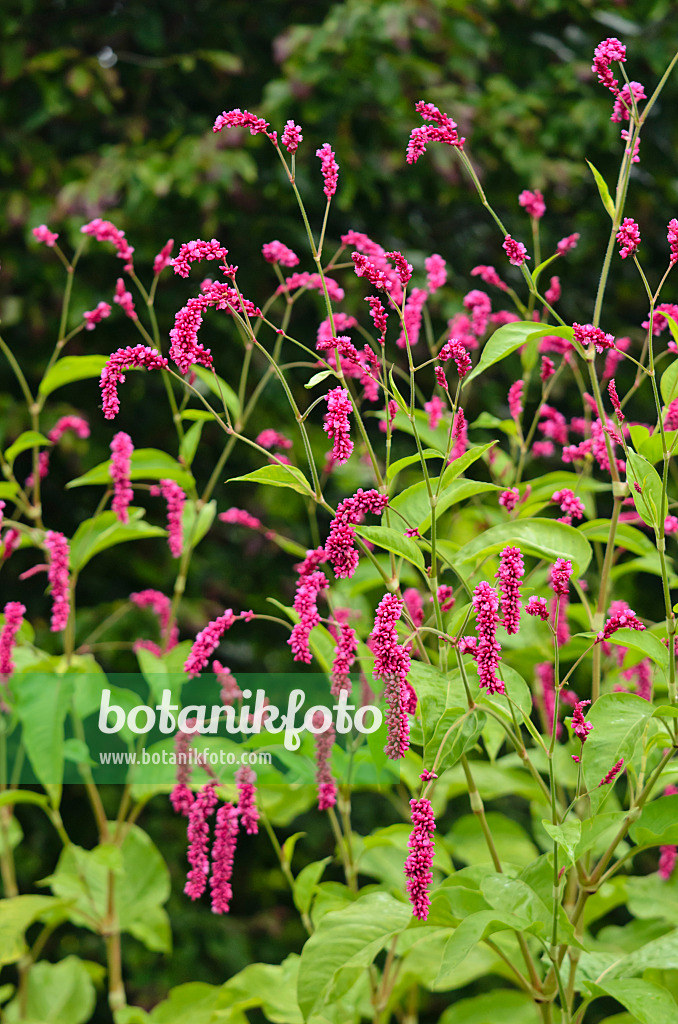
420, 860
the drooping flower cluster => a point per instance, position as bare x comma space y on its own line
120, 468
207, 641
344, 657
570, 504
537, 607
605, 53
105, 231
305, 605
223, 856
243, 119
339, 547
515, 399
420, 859
436, 270
672, 238
336, 424
391, 665
623, 104
580, 727
198, 838
14, 612
614, 771
488, 651
195, 252
516, 251
176, 499
164, 257
455, 349
113, 373
509, 499
533, 203
276, 252
92, 317
43, 234
124, 299
59, 580
181, 796
587, 334
324, 741
161, 606
628, 238
441, 128
247, 800
623, 618
510, 573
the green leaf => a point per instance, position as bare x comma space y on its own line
42, 703
190, 442
467, 841
69, 369
649, 504
603, 190
544, 538
29, 439
218, 387
105, 531
410, 460
669, 383
305, 884
195, 529
22, 796
618, 721
626, 536
469, 933
392, 540
567, 835
455, 733
272, 987
652, 450
142, 886
461, 464
505, 340
658, 823
8, 490
17, 913
503, 1006
345, 943
648, 1003
277, 476
61, 993
146, 464
318, 378
639, 640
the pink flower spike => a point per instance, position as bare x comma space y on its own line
124, 299
324, 741
587, 334
560, 576
329, 169
92, 317
105, 231
614, 398
511, 571
436, 269
628, 238
339, 547
391, 665
533, 203
515, 399
336, 424
164, 257
161, 606
580, 727
242, 119
176, 499
43, 234
567, 243
59, 580
537, 607
206, 643
14, 613
623, 618
623, 104
509, 499
420, 859
276, 252
119, 469
198, 839
672, 237
605, 53
247, 805
516, 251
113, 373
223, 855
291, 136
612, 774
197, 251
403, 268
489, 275
486, 603
548, 368
569, 503
305, 602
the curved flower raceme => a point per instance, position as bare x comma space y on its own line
420, 859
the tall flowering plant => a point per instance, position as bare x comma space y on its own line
466, 567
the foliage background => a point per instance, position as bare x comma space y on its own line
107, 109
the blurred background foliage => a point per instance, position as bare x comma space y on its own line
107, 110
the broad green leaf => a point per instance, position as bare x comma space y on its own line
277, 476
17, 913
626, 536
658, 823
544, 538
392, 540
42, 703
597, 832
650, 506
196, 1002
567, 835
195, 529
514, 896
536, 273
517, 693
669, 382
8, 490
69, 369
29, 439
410, 460
197, 414
603, 190
146, 464
503, 1006
105, 531
673, 326
272, 987
190, 442
344, 940
460, 465
470, 932
505, 340
305, 884
22, 796
142, 885
60, 993
218, 387
454, 734
618, 720
639, 640
467, 841
456, 491
648, 1003
651, 449
318, 378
